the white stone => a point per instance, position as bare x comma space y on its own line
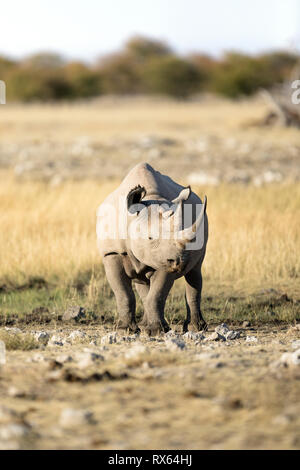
251, 339
77, 335
222, 329
12, 431
175, 344
71, 418
230, 335
56, 340
109, 338
136, 351
42, 337
2, 353
87, 358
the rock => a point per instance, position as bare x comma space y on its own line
222, 329
251, 339
191, 336
56, 340
2, 353
206, 356
7, 414
295, 344
215, 337
136, 351
230, 335
13, 330
70, 418
88, 358
175, 344
77, 335
74, 313
109, 338
63, 358
38, 357
15, 392
42, 337
13, 431
129, 339
291, 359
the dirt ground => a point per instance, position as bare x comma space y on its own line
89, 387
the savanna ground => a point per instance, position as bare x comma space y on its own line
89, 390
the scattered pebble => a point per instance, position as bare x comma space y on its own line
87, 358
56, 340
74, 313
215, 337
42, 337
251, 339
70, 417
136, 351
175, 344
109, 338
77, 335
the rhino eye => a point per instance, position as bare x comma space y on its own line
150, 238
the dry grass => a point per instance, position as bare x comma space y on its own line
49, 232
129, 118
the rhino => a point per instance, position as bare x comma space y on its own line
131, 233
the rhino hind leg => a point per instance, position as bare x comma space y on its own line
194, 319
122, 288
154, 322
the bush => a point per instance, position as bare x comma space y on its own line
172, 76
120, 74
27, 85
83, 81
240, 75
142, 49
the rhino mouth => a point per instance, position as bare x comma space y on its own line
176, 266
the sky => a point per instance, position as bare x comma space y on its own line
88, 29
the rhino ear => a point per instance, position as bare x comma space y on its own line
183, 195
134, 198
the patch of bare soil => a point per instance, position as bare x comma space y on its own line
89, 387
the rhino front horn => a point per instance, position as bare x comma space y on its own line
189, 233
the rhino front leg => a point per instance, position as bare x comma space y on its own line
193, 300
143, 291
160, 285
121, 286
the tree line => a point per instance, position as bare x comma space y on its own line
143, 66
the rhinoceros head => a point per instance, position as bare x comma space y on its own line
157, 233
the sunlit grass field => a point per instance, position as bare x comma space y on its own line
48, 238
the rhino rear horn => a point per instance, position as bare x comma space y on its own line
134, 198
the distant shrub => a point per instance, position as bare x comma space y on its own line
83, 81
170, 75
44, 61
28, 85
120, 74
142, 49
239, 74
144, 65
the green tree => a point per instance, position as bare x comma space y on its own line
84, 81
170, 75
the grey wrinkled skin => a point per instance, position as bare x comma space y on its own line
151, 264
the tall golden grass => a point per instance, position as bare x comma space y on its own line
49, 232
